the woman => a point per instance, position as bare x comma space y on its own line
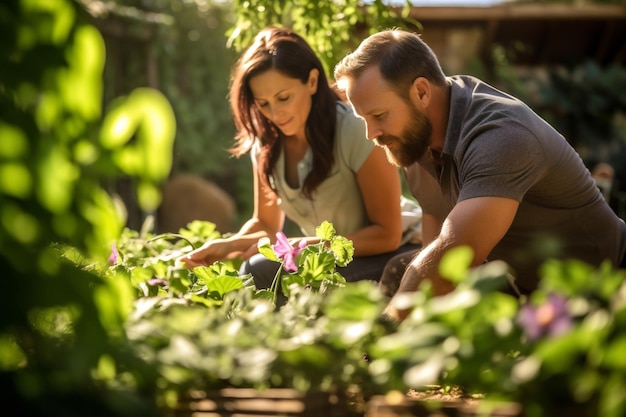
311, 162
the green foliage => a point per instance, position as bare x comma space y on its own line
179, 48
328, 26
247, 343
481, 340
194, 66
583, 368
473, 338
583, 103
184, 322
465, 338
182, 50
148, 262
61, 326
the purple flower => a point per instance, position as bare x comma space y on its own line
286, 252
157, 281
548, 319
114, 256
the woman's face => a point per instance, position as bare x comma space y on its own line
285, 101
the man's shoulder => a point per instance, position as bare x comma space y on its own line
475, 92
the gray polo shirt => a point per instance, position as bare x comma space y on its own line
497, 146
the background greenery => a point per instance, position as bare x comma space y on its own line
75, 126
185, 48
61, 327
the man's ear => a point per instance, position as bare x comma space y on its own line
420, 93
314, 76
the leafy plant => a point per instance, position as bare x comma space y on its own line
311, 266
466, 338
61, 323
329, 27
580, 365
210, 328
554, 353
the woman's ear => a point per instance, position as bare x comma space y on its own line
314, 75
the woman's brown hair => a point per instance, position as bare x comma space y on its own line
283, 50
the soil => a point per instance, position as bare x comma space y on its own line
443, 394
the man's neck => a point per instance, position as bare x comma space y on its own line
439, 113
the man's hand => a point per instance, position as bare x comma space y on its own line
395, 315
399, 307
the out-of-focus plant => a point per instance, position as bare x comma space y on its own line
555, 353
330, 27
583, 103
466, 338
314, 342
179, 48
575, 339
210, 328
61, 325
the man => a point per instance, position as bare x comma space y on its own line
488, 172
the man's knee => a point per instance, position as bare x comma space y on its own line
393, 273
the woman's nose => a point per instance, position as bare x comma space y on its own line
275, 112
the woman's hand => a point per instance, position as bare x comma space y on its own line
205, 255
216, 250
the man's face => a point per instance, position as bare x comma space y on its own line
392, 122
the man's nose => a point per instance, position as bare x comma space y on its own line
372, 131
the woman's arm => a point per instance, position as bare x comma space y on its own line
379, 183
267, 219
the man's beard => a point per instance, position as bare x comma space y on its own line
413, 142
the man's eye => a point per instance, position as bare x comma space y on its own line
379, 116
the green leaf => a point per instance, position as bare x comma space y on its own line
215, 270
343, 249
362, 300
224, 285
287, 280
325, 231
455, 263
264, 247
614, 357
316, 267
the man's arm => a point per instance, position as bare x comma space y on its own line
431, 226
478, 222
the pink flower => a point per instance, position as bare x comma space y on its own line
286, 252
157, 281
114, 256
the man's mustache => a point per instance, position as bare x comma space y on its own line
384, 140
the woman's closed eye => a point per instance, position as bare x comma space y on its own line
266, 104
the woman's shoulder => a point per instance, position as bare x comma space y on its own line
345, 110
351, 143
348, 123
